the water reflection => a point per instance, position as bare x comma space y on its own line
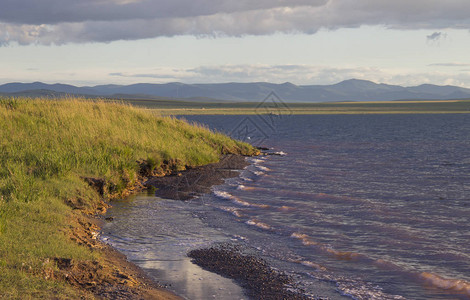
156, 234
191, 281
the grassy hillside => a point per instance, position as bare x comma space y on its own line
48, 147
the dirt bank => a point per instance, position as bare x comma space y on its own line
113, 277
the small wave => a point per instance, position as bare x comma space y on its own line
437, 281
280, 153
223, 195
305, 239
345, 255
383, 264
245, 178
239, 237
234, 211
257, 161
356, 288
311, 264
434, 280
244, 203
258, 224
228, 196
341, 255
259, 173
363, 292
263, 168
245, 188
286, 208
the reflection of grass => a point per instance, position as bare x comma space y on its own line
46, 146
168, 107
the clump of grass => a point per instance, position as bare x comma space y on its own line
48, 146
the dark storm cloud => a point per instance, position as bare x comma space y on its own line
37, 12
67, 21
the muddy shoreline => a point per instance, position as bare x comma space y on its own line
113, 276
192, 182
117, 278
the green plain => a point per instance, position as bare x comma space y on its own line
178, 107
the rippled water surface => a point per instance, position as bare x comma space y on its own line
362, 206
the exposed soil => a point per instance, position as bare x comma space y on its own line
187, 184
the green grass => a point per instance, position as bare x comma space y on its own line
48, 146
178, 107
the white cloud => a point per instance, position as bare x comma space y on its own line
67, 21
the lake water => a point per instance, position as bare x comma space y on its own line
359, 207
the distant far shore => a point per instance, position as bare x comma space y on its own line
281, 108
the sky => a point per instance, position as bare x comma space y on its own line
305, 42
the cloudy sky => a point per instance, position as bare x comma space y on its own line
88, 42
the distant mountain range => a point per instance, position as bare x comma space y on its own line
348, 90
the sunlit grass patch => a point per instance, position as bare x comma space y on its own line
48, 147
